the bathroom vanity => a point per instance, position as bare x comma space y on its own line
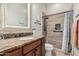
25, 47
15, 19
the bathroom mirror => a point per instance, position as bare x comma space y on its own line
15, 17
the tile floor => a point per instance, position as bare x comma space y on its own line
59, 52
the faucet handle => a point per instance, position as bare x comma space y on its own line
0, 37
33, 29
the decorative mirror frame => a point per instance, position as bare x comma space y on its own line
14, 29
11, 26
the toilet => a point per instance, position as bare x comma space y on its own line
48, 49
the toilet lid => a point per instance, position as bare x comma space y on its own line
48, 45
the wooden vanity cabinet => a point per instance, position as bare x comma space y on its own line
34, 48
35, 52
14, 52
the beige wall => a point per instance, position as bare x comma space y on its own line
54, 8
36, 14
76, 9
55, 38
0, 15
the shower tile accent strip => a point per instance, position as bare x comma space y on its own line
14, 35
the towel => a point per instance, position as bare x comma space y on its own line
74, 34
78, 32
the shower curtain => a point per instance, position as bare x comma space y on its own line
66, 44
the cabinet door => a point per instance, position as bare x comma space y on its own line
31, 53
38, 51
30, 46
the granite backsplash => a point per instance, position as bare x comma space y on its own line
14, 35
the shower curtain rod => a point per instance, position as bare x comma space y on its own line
59, 13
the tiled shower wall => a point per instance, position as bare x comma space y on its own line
55, 37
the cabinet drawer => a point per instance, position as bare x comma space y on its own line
30, 46
16, 52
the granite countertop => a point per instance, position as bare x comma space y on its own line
15, 42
